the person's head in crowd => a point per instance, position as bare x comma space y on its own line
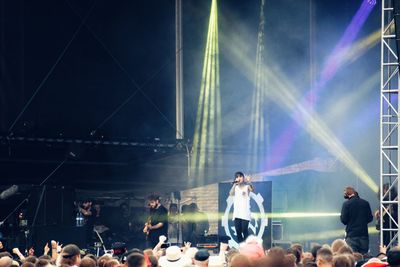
101, 262
310, 264
341, 261
32, 259
190, 252
263, 261
314, 251
43, 263
252, 247
201, 258
111, 263
153, 261
299, 247
393, 257
336, 245
149, 252
91, 256
71, 255
324, 257
87, 262
276, 253
136, 260
15, 263
154, 201
230, 254
27, 264
307, 256
345, 250
240, 261
174, 257
295, 252
5, 261
289, 261
308, 260
45, 257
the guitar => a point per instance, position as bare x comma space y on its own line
147, 226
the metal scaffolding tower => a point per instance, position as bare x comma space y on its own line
389, 129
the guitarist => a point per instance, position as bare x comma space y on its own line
157, 224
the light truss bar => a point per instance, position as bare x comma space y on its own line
389, 125
155, 143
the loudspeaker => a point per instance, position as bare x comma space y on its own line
54, 205
277, 230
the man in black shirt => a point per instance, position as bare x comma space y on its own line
88, 213
157, 223
356, 214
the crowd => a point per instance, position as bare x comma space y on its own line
249, 254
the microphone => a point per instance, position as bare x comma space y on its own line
234, 181
9, 192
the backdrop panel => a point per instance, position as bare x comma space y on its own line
261, 206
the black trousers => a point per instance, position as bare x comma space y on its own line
359, 244
242, 229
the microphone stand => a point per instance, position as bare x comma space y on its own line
101, 241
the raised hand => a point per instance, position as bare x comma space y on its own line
248, 178
46, 249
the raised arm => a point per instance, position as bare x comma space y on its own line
232, 191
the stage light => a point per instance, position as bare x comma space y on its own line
207, 136
259, 135
323, 235
215, 216
286, 96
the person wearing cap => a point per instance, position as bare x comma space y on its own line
71, 255
240, 191
356, 214
201, 258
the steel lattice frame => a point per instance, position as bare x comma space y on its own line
389, 127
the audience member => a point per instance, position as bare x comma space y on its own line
324, 257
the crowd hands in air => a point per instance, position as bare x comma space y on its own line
249, 254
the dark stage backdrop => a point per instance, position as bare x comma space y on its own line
260, 204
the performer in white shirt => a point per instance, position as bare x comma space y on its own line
241, 204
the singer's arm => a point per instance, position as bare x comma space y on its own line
232, 191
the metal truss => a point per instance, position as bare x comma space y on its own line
154, 143
389, 129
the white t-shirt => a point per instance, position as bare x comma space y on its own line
241, 203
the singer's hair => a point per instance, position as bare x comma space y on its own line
239, 174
